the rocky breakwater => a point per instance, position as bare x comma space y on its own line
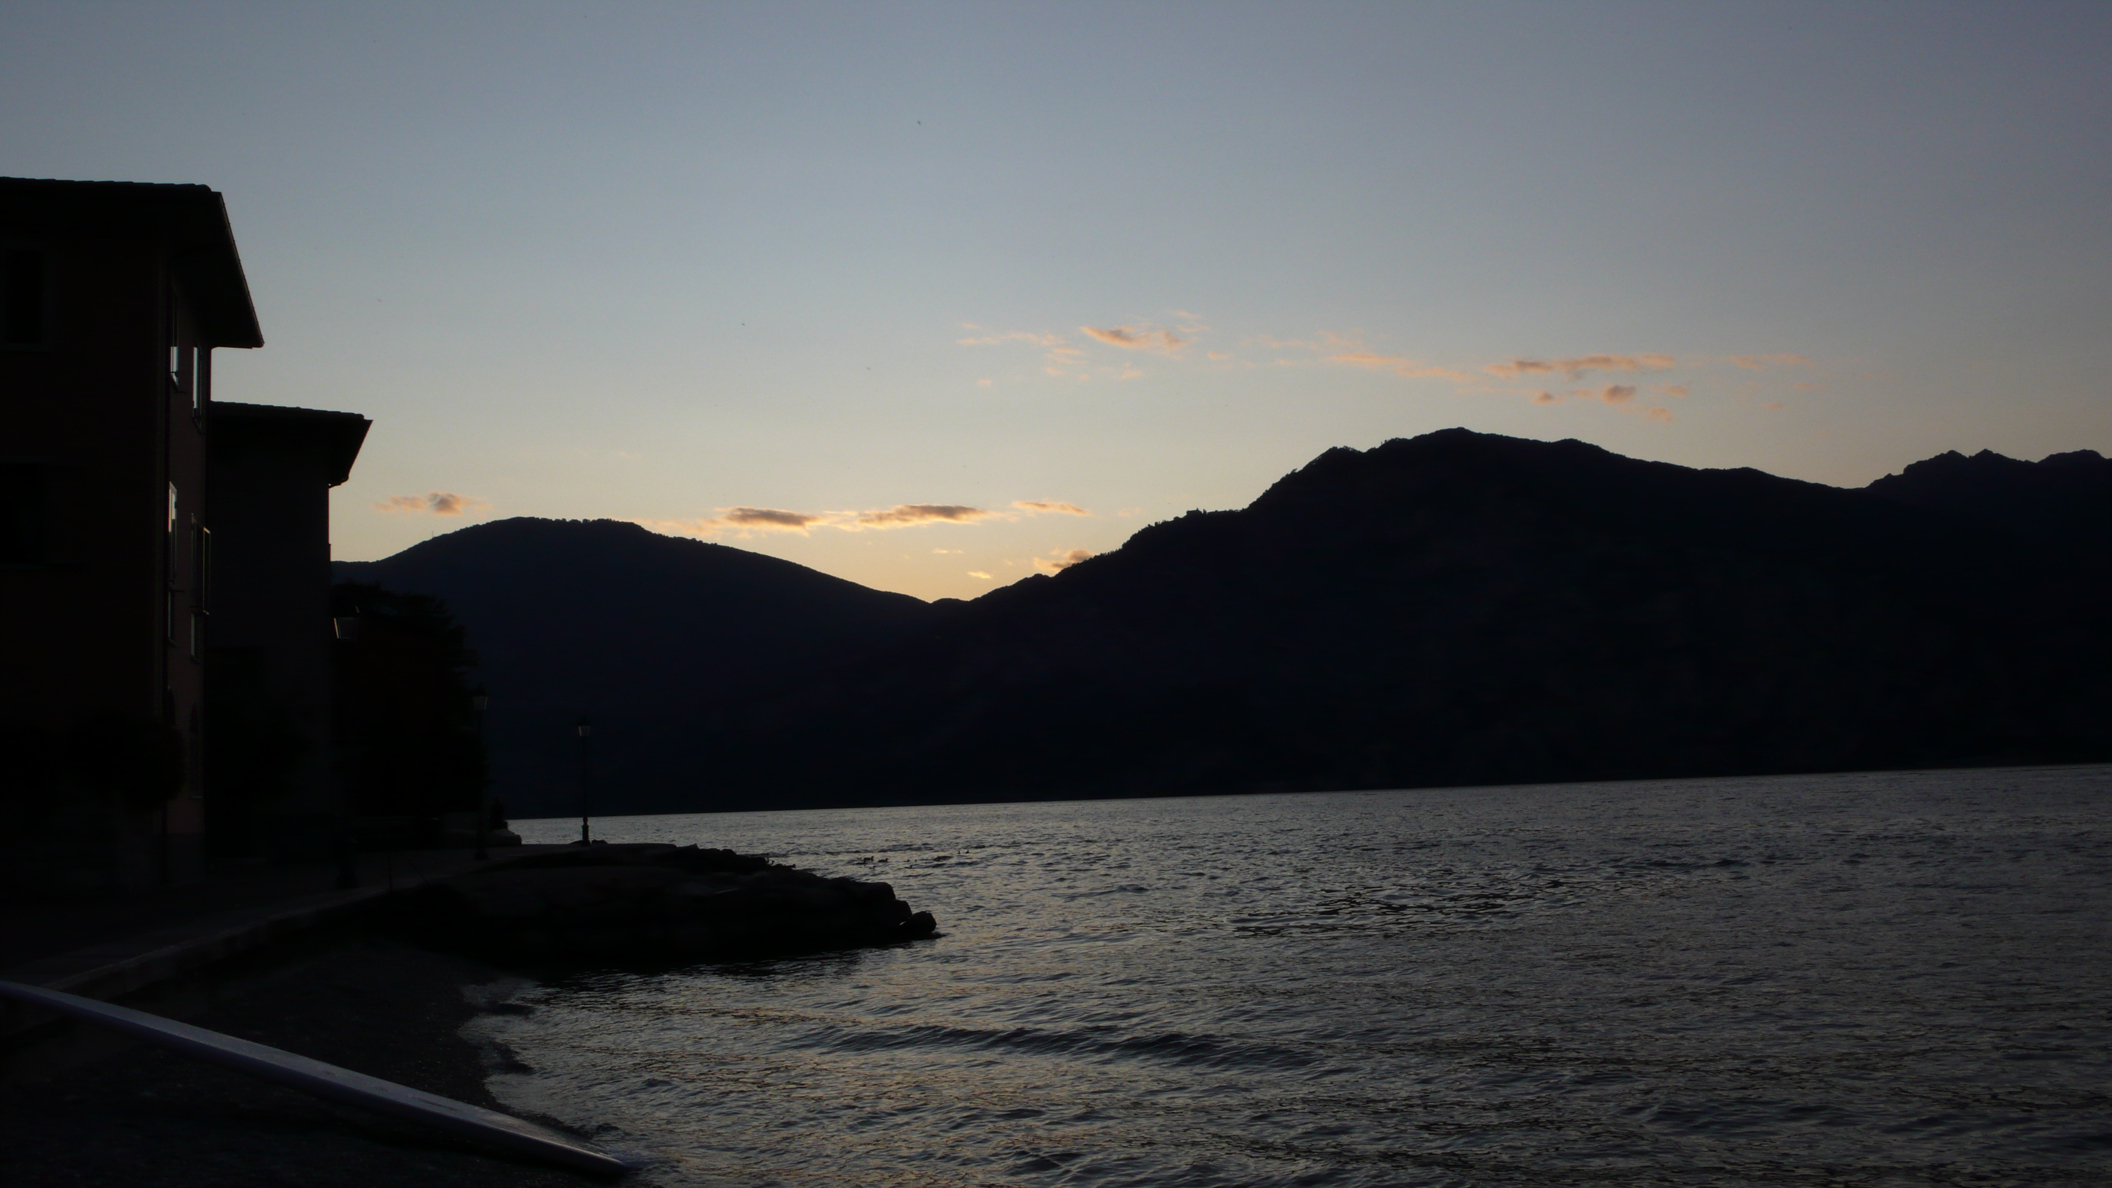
654, 903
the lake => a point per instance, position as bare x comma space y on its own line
1892, 978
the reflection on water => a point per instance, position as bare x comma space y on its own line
1894, 978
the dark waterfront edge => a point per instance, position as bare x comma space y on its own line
147, 1117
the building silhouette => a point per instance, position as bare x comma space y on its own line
113, 491
268, 665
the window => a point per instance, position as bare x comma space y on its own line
24, 513
169, 562
173, 333
202, 569
22, 298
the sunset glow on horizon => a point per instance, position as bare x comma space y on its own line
937, 297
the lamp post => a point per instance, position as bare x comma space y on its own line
586, 731
477, 702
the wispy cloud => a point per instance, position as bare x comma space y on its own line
1035, 507
769, 518
1059, 357
1136, 338
1804, 386
1064, 355
1059, 560
745, 521
438, 503
977, 573
1576, 367
909, 515
1402, 366
1621, 397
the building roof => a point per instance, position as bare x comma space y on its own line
191, 219
340, 433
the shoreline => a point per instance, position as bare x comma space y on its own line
145, 1116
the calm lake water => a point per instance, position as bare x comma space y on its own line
1897, 978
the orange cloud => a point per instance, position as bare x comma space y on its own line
1758, 362
1057, 506
1805, 386
1136, 338
1064, 559
1680, 390
744, 520
770, 517
1620, 396
1058, 357
1401, 365
439, 503
909, 515
1575, 368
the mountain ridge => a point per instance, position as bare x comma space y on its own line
640, 631
1452, 608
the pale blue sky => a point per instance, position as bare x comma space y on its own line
659, 262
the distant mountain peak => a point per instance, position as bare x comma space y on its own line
2065, 496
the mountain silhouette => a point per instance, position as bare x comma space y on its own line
1461, 608
1456, 608
2064, 500
644, 633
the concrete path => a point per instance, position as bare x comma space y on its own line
112, 945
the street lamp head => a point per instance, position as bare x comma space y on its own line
479, 700
586, 727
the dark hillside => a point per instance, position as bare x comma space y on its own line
1462, 608
642, 631
2064, 500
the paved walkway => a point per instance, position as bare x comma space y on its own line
110, 944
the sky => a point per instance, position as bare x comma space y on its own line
934, 297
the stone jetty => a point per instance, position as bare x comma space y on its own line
654, 903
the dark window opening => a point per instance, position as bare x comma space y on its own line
169, 562
24, 514
202, 573
174, 336
21, 297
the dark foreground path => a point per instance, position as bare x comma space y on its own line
146, 1118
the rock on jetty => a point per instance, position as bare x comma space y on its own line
654, 903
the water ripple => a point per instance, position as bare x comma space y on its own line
1894, 978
